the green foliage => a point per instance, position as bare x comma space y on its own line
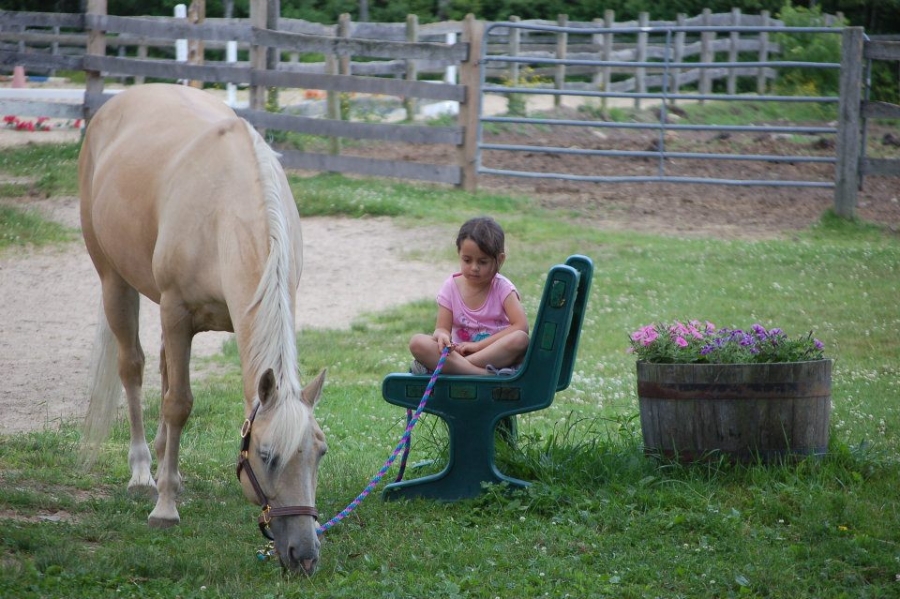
808, 47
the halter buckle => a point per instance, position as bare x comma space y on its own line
245, 428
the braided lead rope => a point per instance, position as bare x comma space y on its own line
404, 442
406, 447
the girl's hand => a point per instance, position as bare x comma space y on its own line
466, 348
443, 340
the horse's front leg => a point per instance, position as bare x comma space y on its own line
176, 407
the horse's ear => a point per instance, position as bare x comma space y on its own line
266, 389
313, 391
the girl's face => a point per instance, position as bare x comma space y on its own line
476, 266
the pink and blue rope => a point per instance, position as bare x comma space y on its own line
401, 447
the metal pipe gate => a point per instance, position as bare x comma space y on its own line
667, 95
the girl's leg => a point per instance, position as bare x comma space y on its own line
506, 351
425, 349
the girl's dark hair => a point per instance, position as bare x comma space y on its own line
485, 232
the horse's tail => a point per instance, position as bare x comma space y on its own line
105, 389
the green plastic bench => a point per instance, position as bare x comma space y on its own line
472, 406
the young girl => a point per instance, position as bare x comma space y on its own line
479, 315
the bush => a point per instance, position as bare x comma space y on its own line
808, 47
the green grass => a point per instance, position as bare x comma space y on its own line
26, 227
44, 169
54, 168
750, 112
738, 112
601, 520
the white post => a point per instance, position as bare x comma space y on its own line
231, 57
181, 46
450, 72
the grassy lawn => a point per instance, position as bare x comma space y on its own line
600, 520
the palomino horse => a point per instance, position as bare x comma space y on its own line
183, 202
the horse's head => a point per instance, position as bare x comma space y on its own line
278, 468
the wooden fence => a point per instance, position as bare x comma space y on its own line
855, 109
376, 58
392, 59
64, 35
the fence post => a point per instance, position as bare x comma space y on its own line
609, 19
96, 46
470, 77
181, 44
846, 184
196, 15
412, 35
273, 55
640, 73
258, 54
707, 54
763, 54
450, 71
678, 56
343, 31
562, 41
514, 37
142, 55
54, 50
733, 42
597, 43
333, 102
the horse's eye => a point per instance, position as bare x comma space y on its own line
270, 459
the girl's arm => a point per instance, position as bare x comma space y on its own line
518, 321
443, 327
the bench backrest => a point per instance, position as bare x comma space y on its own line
557, 330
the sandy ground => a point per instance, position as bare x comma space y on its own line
49, 300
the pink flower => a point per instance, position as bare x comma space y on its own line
645, 335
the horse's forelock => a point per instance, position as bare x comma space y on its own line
288, 426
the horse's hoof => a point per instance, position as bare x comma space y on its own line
154, 522
143, 489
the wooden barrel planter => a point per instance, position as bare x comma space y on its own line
746, 411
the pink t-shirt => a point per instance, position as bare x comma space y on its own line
489, 318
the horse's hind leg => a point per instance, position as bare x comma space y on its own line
161, 431
121, 304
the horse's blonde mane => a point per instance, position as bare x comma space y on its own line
273, 342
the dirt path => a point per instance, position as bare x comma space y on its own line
49, 300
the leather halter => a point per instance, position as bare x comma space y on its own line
268, 512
